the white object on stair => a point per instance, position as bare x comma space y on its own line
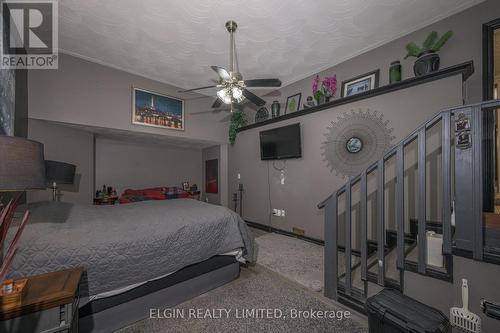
434, 249
462, 317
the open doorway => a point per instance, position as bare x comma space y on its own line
491, 137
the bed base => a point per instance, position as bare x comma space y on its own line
110, 318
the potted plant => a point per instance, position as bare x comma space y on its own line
326, 91
427, 57
238, 119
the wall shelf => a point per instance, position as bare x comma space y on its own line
466, 69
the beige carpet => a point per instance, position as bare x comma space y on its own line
257, 288
293, 258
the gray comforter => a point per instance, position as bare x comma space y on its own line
128, 244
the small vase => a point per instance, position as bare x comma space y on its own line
320, 100
426, 63
275, 109
395, 72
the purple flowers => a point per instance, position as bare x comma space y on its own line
328, 87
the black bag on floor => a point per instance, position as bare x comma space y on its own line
392, 312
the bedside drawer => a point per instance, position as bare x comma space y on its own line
60, 319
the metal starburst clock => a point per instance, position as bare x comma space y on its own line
355, 140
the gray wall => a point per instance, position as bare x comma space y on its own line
66, 144
125, 164
483, 284
211, 153
21, 107
309, 180
85, 93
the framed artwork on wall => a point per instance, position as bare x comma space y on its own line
212, 176
360, 84
7, 101
156, 110
293, 103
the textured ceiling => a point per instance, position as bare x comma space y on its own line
176, 41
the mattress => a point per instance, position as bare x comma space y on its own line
125, 245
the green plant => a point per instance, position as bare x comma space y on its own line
238, 119
431, 43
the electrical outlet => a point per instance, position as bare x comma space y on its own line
278, 212
239, 176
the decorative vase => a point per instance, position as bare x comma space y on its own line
395, 72
261, 115
275, 109
320, 100
309, 102
426, 63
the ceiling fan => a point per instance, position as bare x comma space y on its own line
232, 87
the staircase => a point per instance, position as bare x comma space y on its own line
387, 228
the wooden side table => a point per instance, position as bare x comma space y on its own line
195, 194
50, 304
105, 201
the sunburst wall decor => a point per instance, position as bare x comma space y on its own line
356, 140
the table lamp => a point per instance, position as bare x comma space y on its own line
22, 168
58, 173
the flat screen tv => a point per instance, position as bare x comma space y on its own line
281, 143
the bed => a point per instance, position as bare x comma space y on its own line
129, 251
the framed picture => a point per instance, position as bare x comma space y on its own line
152, 109
293, 103
7, 101
360, 84
212, 176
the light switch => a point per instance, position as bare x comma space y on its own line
239, 176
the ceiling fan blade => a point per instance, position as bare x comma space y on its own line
253, 98
200, 88
263, 83
222, 73
217, 103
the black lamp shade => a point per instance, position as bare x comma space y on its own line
59, 172
21, 164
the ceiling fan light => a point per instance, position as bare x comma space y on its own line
227, 99
221, 94
237, 93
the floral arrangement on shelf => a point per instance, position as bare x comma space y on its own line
326, 91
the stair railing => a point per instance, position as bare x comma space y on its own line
458, 142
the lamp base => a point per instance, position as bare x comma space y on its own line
54, 191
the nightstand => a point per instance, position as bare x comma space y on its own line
50, 304
195, 194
